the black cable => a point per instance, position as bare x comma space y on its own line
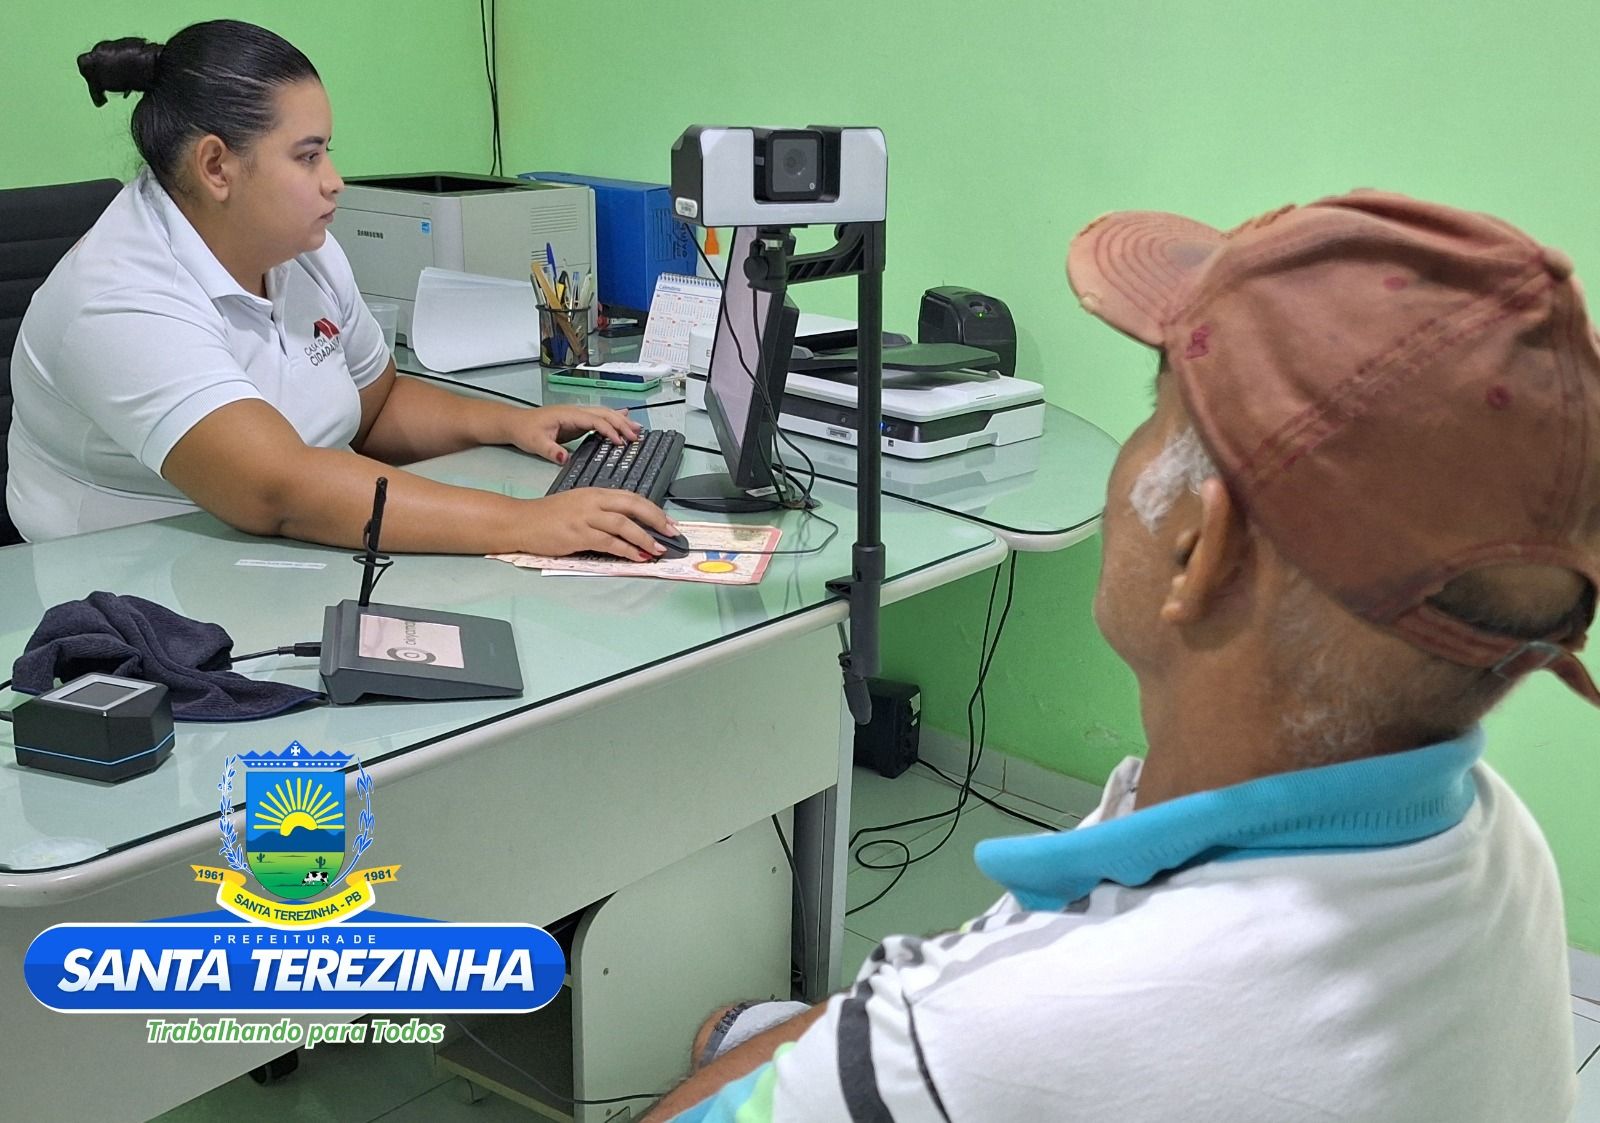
780, 470
542, 1086
491, 74
760, 386
817, 549
494, 54
977, 735
292, 649
988, 616
5, 715
794, 882
978, 694
1000, 807
903, 867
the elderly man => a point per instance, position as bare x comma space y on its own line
1367, 502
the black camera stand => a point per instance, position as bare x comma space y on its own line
858, 251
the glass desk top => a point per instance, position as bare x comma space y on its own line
572, 634
1040, 494
530, 383
1043, 493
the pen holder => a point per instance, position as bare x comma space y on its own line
563, 335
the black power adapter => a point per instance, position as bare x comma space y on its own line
888, 743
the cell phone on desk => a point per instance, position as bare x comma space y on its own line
611, 376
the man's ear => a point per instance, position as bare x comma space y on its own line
1209, 555
215, 167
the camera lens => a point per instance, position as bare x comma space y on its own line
795, 163
790, 166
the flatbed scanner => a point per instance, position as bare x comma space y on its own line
926, 412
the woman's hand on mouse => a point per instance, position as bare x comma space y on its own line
596, 518
541, 430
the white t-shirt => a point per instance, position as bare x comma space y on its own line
1419, 983
138, 333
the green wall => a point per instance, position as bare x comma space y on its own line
1010, 125
405, 78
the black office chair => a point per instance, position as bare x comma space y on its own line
38, 225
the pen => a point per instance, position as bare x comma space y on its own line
550, 259
370, 567
553, 307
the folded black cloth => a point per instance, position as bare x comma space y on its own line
136, 638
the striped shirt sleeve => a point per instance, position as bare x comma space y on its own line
862, 1061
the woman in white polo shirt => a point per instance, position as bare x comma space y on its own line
205, 344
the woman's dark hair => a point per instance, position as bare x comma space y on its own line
213, 77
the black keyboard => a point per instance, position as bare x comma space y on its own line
646, 466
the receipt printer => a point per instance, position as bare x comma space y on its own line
956, 315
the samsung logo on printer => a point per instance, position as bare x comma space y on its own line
360, 233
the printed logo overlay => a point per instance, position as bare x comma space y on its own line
325, 341
293, 943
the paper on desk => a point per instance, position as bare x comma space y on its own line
718, 557
815, 323
463, 320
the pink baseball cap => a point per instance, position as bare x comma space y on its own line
1396, 392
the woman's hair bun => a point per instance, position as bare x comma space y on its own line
119, 66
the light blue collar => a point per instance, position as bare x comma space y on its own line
1362, 804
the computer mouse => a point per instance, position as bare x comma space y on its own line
677, 546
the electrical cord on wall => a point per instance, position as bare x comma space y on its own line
977, 736
799, 893
491, 72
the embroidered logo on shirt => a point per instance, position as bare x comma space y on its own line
326, 334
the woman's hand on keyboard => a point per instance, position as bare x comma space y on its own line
541, 430
603, 519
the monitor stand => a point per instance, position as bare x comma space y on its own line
402, 652
715, 491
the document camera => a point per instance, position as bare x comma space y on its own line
779, 177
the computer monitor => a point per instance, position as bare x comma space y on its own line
751, 348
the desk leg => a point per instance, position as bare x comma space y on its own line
822, 841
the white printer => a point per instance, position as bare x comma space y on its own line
925, 414
393, 227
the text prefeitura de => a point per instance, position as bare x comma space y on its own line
292, 969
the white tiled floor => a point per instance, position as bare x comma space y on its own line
941, 891
397, 1084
